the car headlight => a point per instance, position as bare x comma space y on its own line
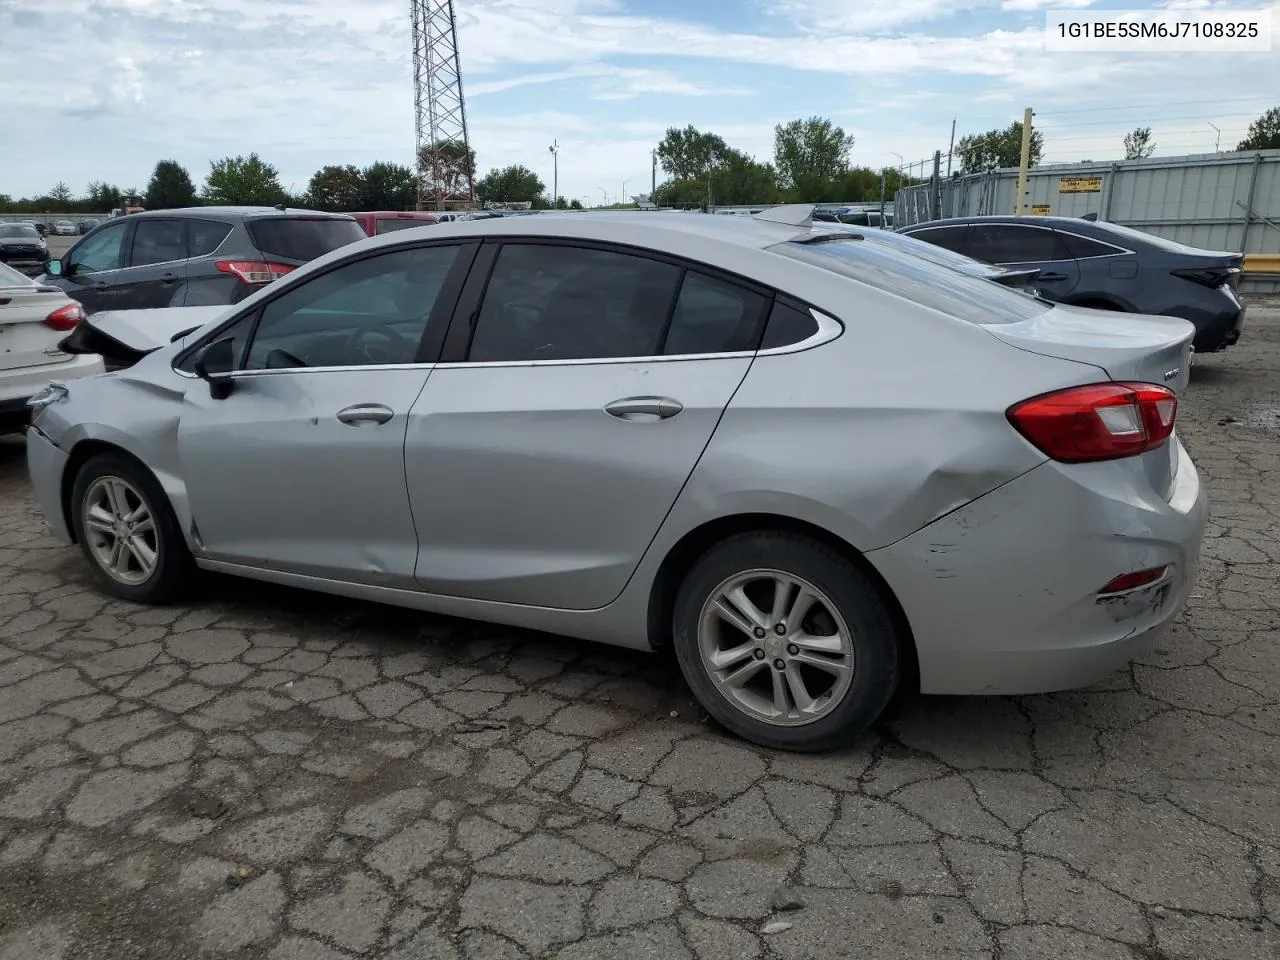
50, 395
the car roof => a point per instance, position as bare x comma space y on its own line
1077, 224
245, 212
410, 214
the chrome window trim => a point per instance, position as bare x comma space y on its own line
186, 221
829, 329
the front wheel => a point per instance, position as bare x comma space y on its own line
786, 641
128, 532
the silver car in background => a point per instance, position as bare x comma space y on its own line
822, 469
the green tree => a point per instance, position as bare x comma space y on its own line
337, 189
61, 195
686, 154
1264, 133
575, 204
997, 148
170, 187
102, 197
248, 181
447, 169
811, 157
388, 186
1138, 145
513, 184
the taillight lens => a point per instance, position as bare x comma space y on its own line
254, 271
65, 318
1101, 421
1211, 276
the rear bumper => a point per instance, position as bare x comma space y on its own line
1221, 327
17, 386
1002, 595
45, 465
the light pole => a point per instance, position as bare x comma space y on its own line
1217, 144
605, 195
555, 174
623, 198
653, 181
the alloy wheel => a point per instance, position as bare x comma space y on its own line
120, 531
776, 647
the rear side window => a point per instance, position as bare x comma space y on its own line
788, 325
1013, 243
712, 316
301, 238
1082, 247
399, 223
205, 236
949, 238
914, 278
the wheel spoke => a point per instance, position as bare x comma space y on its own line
117, 498
117, 557
722, 659
782, 588
744, 673
799, 692
779, 693
800, 607
833, 644
145, 556
837, 668
146, 525
99, 525
137, 513
730, 615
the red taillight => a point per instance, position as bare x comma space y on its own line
1102, 421
1211, 276
65, 318
1132, 581
254, 271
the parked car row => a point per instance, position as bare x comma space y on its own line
804, 456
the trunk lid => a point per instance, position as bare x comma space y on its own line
25, 339
123, 337
1126, 346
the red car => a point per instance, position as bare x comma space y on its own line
376, 222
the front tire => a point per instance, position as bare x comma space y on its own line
128, 532
786, 641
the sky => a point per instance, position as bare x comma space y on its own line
102, 89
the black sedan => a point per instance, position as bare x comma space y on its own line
1107, 266
22, 247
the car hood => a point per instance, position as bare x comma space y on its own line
123, 337
20, 241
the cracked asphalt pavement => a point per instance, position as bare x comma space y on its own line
263, 773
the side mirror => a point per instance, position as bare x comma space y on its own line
213, 365
53, 268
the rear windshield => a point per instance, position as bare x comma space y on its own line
10, 277
929, 251
302, 238
19, 231
1121, 234
914, 278
399, 223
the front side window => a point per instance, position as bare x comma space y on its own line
551, 302
1011, 243
158, 241
102, 251
371, 311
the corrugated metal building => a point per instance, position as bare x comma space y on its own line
1219, 201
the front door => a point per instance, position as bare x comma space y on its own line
155, 271
1024, 246
542, 465
91, 268
301, 468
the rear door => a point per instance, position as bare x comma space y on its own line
585, 384
206, 284
155, 271
1026, 246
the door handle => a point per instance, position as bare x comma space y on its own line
364, 414
99, 285
643, 409
168, 279
1051, 277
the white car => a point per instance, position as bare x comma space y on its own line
33, 319
64, 228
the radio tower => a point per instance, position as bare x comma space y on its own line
446, 171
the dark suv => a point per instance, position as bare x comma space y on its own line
1105, 265
199, 256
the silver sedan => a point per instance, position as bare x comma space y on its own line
821, 469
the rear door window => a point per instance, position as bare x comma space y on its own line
949, 238
1082, 248
1014, 243
158, 241
713, 316
302, 238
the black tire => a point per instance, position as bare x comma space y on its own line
859, 602
174, 567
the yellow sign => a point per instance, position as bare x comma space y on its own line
1040, 209
1080, 185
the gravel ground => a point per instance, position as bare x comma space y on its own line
270, 774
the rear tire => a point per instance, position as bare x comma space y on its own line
786, 641
128, 532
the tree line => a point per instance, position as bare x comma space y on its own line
810, 164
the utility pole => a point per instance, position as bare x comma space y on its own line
653, 181
935, 191
882, 198
622, 198
708, 185
1217, 144
555, 174
951, 147
1020, 204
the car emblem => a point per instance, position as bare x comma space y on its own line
1170, 374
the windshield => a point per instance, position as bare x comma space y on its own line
18, 231
10, 277
302, 238
922, 281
